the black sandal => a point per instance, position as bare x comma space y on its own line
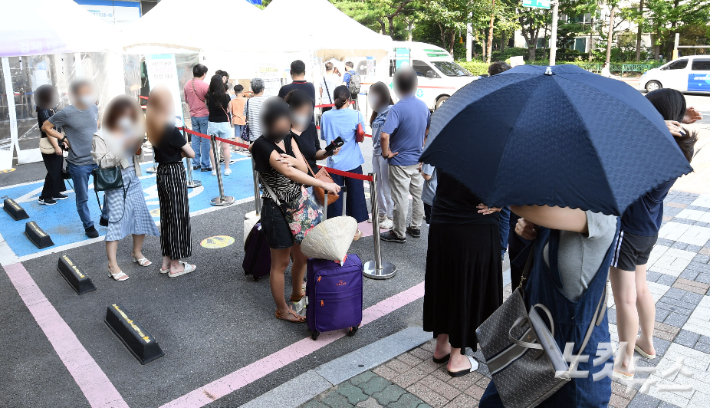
474, 367
442, 359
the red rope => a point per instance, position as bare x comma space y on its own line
204, 136
329, 105
347, 174
366, 135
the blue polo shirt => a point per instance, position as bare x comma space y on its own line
343, 123
406, 124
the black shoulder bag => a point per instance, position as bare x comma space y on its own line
106, 179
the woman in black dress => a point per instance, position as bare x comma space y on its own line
46, 98
463, 284
170, 147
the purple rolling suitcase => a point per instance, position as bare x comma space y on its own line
257, 255
334, 295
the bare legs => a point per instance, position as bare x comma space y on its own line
226, 155
634, 307
112, 249
457, 361
280, 258
174, 265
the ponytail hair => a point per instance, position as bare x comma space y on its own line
342, 96
687, 143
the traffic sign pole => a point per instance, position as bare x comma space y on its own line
553, 34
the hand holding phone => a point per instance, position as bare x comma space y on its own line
338, 142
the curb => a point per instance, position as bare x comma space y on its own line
310, 384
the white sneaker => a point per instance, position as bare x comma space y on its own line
386, 224
227, 172
214, 172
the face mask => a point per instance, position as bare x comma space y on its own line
126, 125
87, 100
372, 99
300, 122
170, 120
276, 137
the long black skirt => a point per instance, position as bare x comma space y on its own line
463, 284
175, 231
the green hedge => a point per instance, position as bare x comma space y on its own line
481, 68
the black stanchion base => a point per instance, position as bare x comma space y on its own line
74, 277
38, 237
138, 341
15, 210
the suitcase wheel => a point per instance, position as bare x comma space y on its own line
314, 335
352, 331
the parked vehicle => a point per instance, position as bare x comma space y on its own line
685, 74
439, 75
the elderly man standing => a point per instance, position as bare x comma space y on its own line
402, 141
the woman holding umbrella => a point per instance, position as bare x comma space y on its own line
554, 143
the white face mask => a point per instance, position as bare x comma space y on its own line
300, 122
373, 100
126, 125
87, 100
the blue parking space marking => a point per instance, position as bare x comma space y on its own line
62, 222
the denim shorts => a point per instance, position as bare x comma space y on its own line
274, 225
220, 129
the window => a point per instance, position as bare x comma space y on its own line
580, 44
679, 64
701, 65
423, 69
451, 69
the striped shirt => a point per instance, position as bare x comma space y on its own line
251, 110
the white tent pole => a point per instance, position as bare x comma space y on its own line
78, 68
7, 76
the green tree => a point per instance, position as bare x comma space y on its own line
532, 20
668, 17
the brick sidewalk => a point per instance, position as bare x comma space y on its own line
679, 278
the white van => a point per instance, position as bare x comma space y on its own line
439, 75
685, 74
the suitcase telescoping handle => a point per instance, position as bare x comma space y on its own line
344, 195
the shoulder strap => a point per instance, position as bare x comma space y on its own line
193, 90
270, 191
326, 90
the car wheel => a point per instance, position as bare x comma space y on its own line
440, 102
653, 85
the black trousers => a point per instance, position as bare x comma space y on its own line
53, 182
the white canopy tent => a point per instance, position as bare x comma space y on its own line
326, 33
319, 26
50, 42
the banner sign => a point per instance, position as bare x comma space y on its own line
162, 71
543, 4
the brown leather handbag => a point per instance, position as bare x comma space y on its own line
319, 192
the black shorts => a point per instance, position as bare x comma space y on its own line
632, 250
278, 234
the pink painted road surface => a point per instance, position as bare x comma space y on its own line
92, 381
267, 365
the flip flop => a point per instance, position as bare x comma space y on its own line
142, 262
474, 367
119, 277
298, 318
644, 354
619, 376
442, 359
187, 268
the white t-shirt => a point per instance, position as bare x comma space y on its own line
332, 81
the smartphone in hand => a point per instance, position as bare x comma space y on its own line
338, 142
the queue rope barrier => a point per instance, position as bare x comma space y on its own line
330, 170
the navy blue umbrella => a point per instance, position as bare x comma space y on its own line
553, 136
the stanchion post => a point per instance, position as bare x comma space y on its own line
257, 196
190, 182
376, 269
222, 199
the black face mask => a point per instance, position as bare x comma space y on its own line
276, 137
